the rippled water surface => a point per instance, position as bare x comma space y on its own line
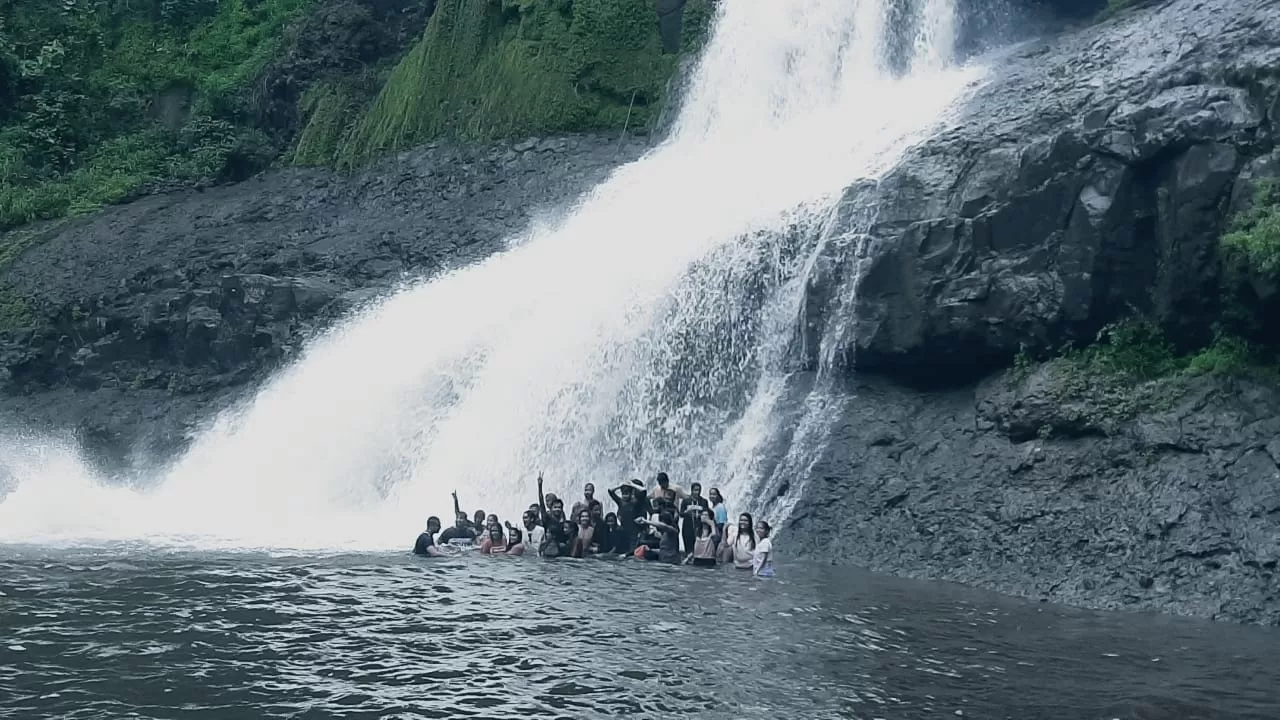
140, 633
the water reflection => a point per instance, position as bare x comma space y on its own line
234, 636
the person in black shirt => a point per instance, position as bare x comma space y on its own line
426, 544
610, 535
632, 504
461, 530
688, 522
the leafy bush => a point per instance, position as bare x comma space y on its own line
1135, 350
110, 97
1255, 233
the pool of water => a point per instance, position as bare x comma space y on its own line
136, 632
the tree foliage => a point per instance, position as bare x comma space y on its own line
103, 98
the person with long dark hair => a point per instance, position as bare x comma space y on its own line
720, 510
703, 550
743, 548
494, 543
762, 557
515, 541
581, 546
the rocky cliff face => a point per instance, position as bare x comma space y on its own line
133, 324
1091, 180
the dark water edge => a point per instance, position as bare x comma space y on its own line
130, 632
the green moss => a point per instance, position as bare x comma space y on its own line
1254, 239
1231, 355
329, 108
15, 311
496, 68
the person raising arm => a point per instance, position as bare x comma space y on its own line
669, 545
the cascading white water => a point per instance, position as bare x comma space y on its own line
649, 331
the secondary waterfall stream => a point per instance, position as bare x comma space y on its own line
650, 330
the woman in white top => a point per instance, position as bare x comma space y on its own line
762, 557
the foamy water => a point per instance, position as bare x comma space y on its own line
647, 331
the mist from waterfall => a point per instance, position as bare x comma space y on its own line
654, 328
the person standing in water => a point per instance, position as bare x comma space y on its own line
555, 538
659, 492
631, 506
494, 543
533, 531
426, 543
669, 544
703, 553
690, 508
515, 541
586, 531
588, 499
762, 556
742, 549
720, 509
462, 533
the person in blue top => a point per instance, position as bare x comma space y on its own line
719, 509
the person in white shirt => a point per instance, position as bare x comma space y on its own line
762, 556
740, 545
533, 532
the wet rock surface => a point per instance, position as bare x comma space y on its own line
1175, 509
1088, 181
143, 319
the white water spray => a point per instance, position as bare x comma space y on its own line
648, 331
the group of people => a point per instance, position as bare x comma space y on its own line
665, 524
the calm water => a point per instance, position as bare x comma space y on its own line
142, 633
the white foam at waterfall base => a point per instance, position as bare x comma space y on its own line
562, 353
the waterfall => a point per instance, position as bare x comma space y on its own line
652, 329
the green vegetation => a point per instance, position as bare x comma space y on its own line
15, 312
1254, 241
1137, 350
101, 100
106, 97
499, 68
1133, 367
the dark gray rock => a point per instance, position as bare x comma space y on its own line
1174, 510
190, 299
1088, 180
